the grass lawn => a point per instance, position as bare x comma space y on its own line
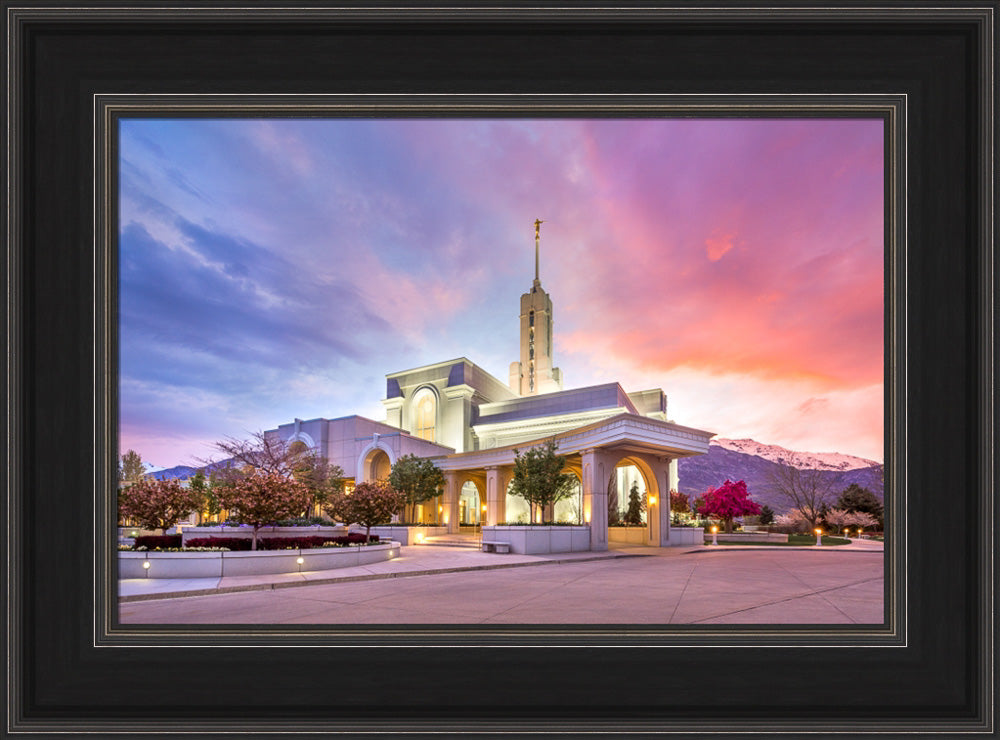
795, 540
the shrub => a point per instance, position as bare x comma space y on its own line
154, 541
231, 543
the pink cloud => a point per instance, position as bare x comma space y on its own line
718, 244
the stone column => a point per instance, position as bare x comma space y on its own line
497, 480
661, 473
596, 472
451, 493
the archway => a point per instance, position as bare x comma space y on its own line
570, 509
375, 461
471, 503
517, 509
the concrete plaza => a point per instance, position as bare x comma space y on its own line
448, 585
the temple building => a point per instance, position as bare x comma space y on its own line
470, 423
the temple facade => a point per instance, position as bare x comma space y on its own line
471, 424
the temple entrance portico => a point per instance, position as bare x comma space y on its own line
592, 453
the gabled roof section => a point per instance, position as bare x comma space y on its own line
460, 371
607, 396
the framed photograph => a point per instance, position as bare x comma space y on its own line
132, 133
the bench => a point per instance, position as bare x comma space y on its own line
497, 547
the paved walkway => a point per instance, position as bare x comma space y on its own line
628, 585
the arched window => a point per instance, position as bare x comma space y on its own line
426, 415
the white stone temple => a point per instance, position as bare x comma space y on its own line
470, 423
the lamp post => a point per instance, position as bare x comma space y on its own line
715, 535
819, 537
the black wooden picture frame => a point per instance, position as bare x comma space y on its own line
71, 670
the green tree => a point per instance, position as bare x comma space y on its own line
321, 478
538, 476
636, 505
369, 504
156, 504
855, 498
130, 468
418, 479
766, 514
201, 486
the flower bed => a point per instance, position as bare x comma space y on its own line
319, 530
218, 564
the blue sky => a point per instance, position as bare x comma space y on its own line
273, 269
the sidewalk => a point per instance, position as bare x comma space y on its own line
422, 560
414, 560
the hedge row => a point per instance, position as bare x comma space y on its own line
153, 541
278, 543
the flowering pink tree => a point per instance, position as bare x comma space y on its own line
369, 504
157, 504
258, 498
729, 501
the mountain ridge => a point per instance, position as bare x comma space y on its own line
736, 459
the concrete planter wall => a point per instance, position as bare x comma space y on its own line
190, 533
540, 539
639, 535
403, 535
686, 536
748, 537
255, 563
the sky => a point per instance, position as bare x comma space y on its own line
279, 268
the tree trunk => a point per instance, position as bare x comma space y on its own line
368, 534
253, 542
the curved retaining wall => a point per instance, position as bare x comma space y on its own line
216, 564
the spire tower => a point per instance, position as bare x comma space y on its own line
534, 373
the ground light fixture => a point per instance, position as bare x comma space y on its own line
145, 567
420, 538
300, 560
652, 500
715, 535
819, 537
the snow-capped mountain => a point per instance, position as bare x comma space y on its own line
756, 463
803, 460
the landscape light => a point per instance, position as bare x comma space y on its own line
300, 560
146, 565
420, 536
484, 507
652, 500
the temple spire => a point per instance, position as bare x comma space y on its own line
538, 226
